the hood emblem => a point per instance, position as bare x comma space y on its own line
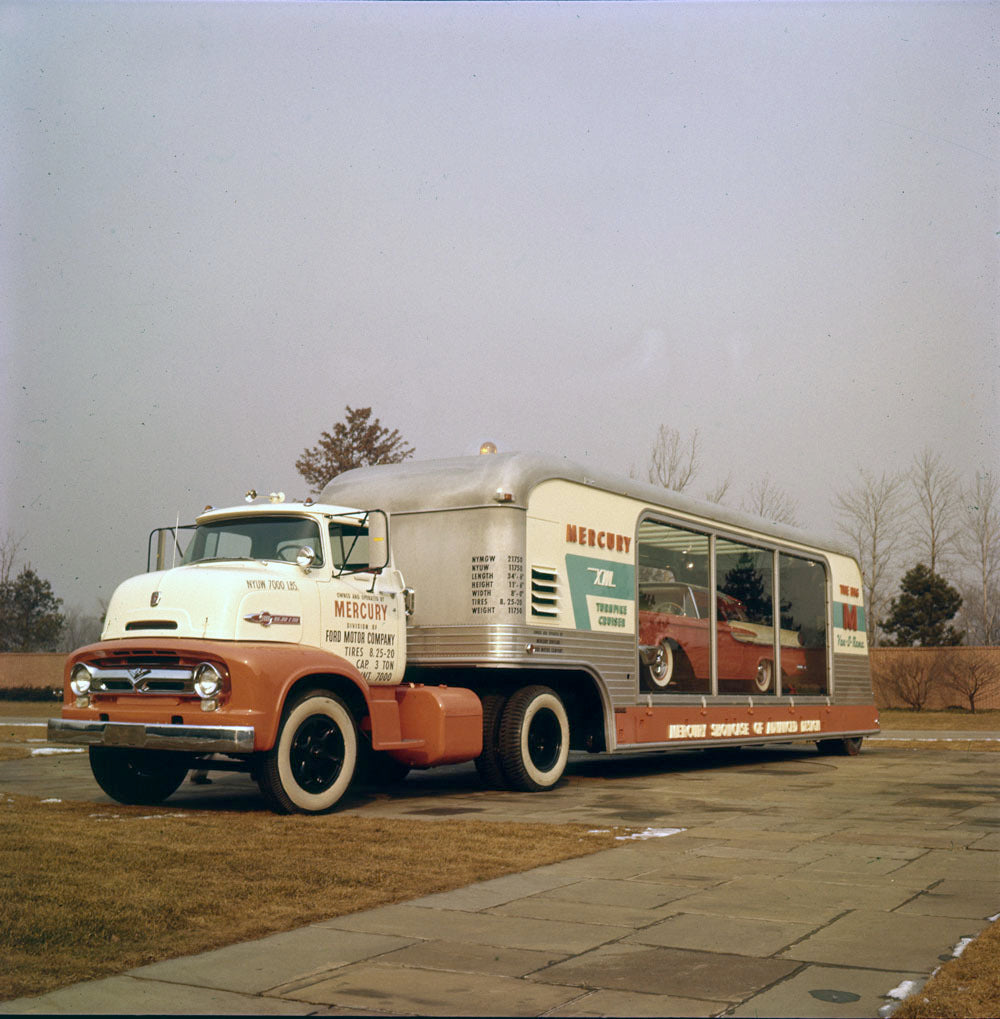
154, 599
136, 676
266, 619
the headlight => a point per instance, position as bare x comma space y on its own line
80, 680
207, 681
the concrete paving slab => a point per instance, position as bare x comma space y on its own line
738, 935
635, 893
254, 966
989, 841
435, 992
692, 867
737, 851
936, 864
826, 992
802, 900
956, 897
680, 972
632, 1003
897, 835
125, 995
888, 941
466, 958
542, 908
484, 894
479, 928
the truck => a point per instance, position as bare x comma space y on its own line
505, 609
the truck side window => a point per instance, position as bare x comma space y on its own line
349, 546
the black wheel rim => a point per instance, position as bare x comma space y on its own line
317, 754
544, 740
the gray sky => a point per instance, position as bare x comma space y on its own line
554, 226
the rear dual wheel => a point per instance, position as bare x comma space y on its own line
525, 740
849, 747
533, 739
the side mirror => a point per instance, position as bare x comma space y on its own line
305, 557
378, 540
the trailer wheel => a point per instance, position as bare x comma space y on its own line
142, 777
488, 763
849, 747
534, 739
312, 762
765, 675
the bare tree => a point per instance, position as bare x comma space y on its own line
9, 548
908, 679
869, 516
772, 503
673, 463
970, 673
721, 490
979, 548
934, 524
79, 629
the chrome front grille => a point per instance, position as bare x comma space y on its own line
141, 677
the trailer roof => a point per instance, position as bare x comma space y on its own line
475, 481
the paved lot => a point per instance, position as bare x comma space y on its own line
800, 886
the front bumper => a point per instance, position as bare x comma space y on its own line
199, 739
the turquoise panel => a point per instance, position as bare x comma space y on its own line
601, 578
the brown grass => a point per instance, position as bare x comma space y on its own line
962, 721
964, 987
93, 890
41, 710
936, 745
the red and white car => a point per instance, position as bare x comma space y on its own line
674, 642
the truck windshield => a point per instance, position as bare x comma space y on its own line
270, 537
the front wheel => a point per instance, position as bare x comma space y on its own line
141, 777
534, 739
312, 763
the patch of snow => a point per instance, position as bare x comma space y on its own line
963, 944
143, 817
903, 990
599, 831
994, 918
649, 833
50, 800
48, 751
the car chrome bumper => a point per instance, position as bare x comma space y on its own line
204, 739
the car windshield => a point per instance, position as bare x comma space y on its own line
262, 538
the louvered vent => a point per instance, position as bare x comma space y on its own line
544, 591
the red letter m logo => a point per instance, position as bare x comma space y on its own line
850, 617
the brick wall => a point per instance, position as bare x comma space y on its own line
924, 671
37, 671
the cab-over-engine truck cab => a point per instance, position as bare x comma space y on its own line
276, 646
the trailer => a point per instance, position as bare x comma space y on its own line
585, 599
